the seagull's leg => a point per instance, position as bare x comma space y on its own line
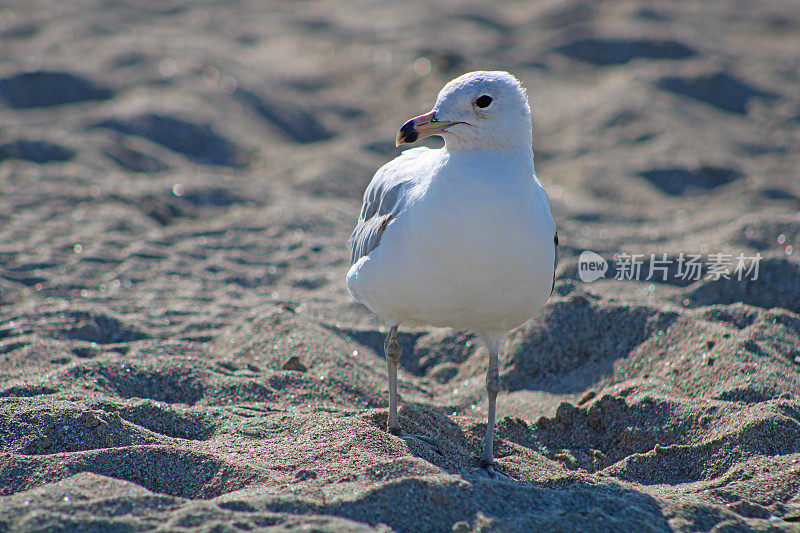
493, 342
393, 351
492, 388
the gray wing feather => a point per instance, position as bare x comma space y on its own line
383, 201
367, 236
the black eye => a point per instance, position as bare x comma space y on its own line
483, 101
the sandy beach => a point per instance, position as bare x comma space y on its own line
179, 352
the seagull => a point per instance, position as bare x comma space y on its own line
460, 236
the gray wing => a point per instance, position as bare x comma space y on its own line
383, 200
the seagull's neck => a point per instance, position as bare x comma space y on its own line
520, 154
497, 163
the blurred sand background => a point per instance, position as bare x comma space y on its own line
179, 179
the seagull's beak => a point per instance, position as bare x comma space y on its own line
422, 126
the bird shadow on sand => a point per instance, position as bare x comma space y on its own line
573, 344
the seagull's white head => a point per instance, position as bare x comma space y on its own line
477, 111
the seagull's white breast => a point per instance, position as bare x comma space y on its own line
471, 249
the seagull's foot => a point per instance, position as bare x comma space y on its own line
488, 468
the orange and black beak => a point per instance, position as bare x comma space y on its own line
420, 127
